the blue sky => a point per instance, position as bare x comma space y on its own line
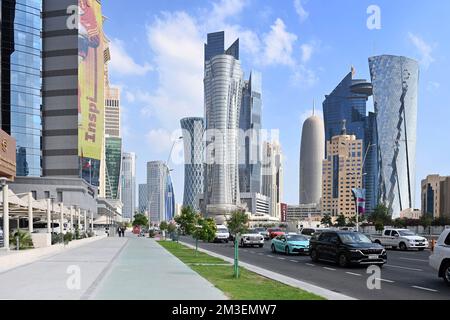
303, 49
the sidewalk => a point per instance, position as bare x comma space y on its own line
146, 271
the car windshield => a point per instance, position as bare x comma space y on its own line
296, 238
406, 233
275, 230
354, 237
308, 232
222, 230
260, 229
252, 231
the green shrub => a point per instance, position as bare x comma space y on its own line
151, 233
25, 240
57, 238
68, 237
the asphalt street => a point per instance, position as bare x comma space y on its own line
406, 276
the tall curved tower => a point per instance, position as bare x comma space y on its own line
223, 97
312, 154
395, 83
193, 129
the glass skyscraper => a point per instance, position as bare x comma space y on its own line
193, 129
395, 91
348, 102
21, 81
113, 159
250, 145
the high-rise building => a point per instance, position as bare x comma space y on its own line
272, 176
143, 198
128, 190
73, 89
312, 154
193, 130
223, 97
112, 111
250, 140
395, 83
341, 173
113, 167
21, 83
348, 102
436, 196
161, 197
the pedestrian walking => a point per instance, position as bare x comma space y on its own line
119, 231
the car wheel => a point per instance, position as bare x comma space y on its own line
402, 246
286, 251
273, 249
314, 256
378, 242
447, 273
343, 261
261, 245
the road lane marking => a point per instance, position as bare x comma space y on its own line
426, 289
406, 268
310, 264
270, 256
385, 280
330, 269
354, 274
281, 258
295, 261
410, 259
260, 254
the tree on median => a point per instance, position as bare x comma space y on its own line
205, 230
140, 220
237, 225
326, 220
187, 220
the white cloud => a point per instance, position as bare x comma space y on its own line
304, 76
122, 63
307, 51
300, 10
425, 50
279, 45
160, 141
227, 8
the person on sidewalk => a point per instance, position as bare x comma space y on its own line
119, 231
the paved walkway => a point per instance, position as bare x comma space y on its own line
110, 269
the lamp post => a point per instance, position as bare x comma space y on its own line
52, 199
5, 189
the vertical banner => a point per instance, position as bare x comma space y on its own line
360, 197
91, 80
283, 212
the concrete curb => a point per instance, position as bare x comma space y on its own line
14, 259
325, 293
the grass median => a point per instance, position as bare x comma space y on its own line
249, 286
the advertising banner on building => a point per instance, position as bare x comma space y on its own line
91, 80
283, 212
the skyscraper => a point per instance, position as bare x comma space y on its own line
21, 84
272, 176
223, 97
348, 102
342, 173
143, 198
128, 194
312, 154
161, 197
395, 83
250, 140
193, 129
113, 167
112, 111
73, 95
436, 196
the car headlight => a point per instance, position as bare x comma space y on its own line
354, 250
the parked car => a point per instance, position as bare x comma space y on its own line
346, 248
290, 244
252, 238
275, 232
403, 239
41, 227
2, 239
440, 259
222, 234
310, 231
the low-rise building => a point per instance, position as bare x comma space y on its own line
436, 196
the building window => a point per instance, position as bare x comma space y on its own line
47, 194
60, 197
34, 194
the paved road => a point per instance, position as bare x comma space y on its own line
407, 275
108, 269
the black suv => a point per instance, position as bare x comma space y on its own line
346, 248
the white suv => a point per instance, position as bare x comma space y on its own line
440, 259
222, 234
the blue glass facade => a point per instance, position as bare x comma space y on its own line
348, 102
250, 166
169, 198
26, 84
395, 83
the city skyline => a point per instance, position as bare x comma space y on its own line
285, 105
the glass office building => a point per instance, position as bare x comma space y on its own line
193, 129
113, 158
395, 87
21, 106
250, 145
348, 102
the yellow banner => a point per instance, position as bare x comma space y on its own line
91, 111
